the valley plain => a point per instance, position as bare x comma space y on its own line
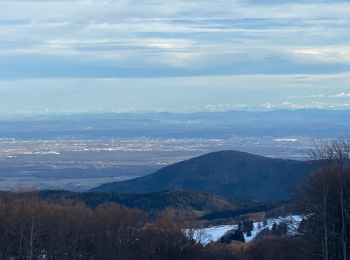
78, 152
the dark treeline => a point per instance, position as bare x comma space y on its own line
153, 203
237, 212
31, 228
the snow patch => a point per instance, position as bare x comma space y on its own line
212, 234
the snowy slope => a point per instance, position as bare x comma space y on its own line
212, 234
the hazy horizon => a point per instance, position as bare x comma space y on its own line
19, 115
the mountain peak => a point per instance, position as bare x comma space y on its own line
227, 173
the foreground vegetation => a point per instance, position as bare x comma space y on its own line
35, 229
31, 228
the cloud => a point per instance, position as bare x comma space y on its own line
338, 95
341, 95
317, 96
233, 54
310, 105
335, 53
200, 37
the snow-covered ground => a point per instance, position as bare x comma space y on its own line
211, 234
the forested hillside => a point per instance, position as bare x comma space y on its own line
194, 202
227, 173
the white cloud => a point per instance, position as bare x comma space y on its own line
338, 95
341, 95
325, 53
309, 105
317, 96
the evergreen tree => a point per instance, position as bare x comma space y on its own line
274, 229
238, 236
233, 235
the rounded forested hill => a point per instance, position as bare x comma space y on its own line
226, 173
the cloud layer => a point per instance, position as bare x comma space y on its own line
49, 40
129, 38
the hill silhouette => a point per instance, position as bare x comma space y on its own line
230, 174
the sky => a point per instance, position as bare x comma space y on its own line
78, 56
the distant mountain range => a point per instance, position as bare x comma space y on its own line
302, 122
230, 174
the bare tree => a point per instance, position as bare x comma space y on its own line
326, 199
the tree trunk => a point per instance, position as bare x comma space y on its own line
325, 229
31, 240
343, 231
20, 245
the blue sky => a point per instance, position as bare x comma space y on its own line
184, 56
